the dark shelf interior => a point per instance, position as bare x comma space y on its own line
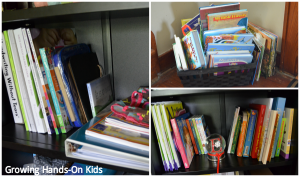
14, 136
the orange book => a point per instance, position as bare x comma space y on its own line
243, 132
192, 136
273, 138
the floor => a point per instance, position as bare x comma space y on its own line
170, 79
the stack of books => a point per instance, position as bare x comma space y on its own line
263, 131
40, 83
180, 136
218, 37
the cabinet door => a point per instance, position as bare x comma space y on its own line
289, 49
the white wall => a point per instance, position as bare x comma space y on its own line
166, 19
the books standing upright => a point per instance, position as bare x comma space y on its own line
286, 140
250, 131
269, 136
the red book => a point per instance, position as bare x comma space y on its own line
192, 136
259, 123
179, 143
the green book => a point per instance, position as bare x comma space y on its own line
236, 134
198, 136
12, 65
280, 136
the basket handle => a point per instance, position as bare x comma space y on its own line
184, 27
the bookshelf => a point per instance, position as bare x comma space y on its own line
218, 108
118, 32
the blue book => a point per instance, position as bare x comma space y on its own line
278, 105
195, 136
61, 59
193, 24
233, 30
250, 132
230, 47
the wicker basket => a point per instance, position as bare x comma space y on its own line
206, 78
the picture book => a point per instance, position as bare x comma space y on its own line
273, 138
236, 134
261, 109
268, 146
294, 138
230, 47
278, 104
38, 117
197, 134
124, 137
180, 54
229, 60
184, 21
177, 59
208, 53
233, 127
202, 130
185, 136
250, 131
44, 85
170, 109
227, 19
286, 140
21, 81
260, 42
192, 136
204, 11
194, 51
280, 137
10, 85
230, 39
194, 24
257, 58
217, 32
243, 132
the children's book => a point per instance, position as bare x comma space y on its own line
280, 137
227, 19
10, 86
233, 127
194, 51
243, 133
202, 130
184, 21
230, 39
230, 47
177, 59
193, 24
208, 53
192, 136
236, 134
250, 131
268, 146
197, 134
217, 32
286, 140
180, 54
273, 138
100, 94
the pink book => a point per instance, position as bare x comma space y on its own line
179, 143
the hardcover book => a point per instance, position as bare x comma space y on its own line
230, 47
286, 140
180, 54
192, 136
250, 131
217, 32
243, 132
261, 109
268, 146
273, 138
227, 19
195, 135
177, 59
280, 137
198, 135
202, 130
194, 24
233, 127
236, 134
100, 94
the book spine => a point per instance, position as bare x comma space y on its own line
280, 137
263, 136
257, 132
10, 85
236, 135
91, 99
192, 136
289, 135
202, 133
29, 80
198, 136
250, 131
37, 83
242, 138
273, 138
158, 135
195, 136
77, 122
232, 131
51, 87
14, 73
41, 79
179, 142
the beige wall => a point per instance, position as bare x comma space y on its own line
166, 19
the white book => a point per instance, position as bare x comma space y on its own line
236, 115
269, 136
268, 102
37, 82
21, 81
181, 55
34, 101
10, 85
165, 158
208, 53
177, 60
286, 140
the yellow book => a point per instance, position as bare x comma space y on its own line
184, 21
169, 110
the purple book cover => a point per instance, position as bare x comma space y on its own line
218, 65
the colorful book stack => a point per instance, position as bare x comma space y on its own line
180, 136
39, 84
217, 35
263, 131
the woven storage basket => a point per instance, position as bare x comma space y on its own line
206, 78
